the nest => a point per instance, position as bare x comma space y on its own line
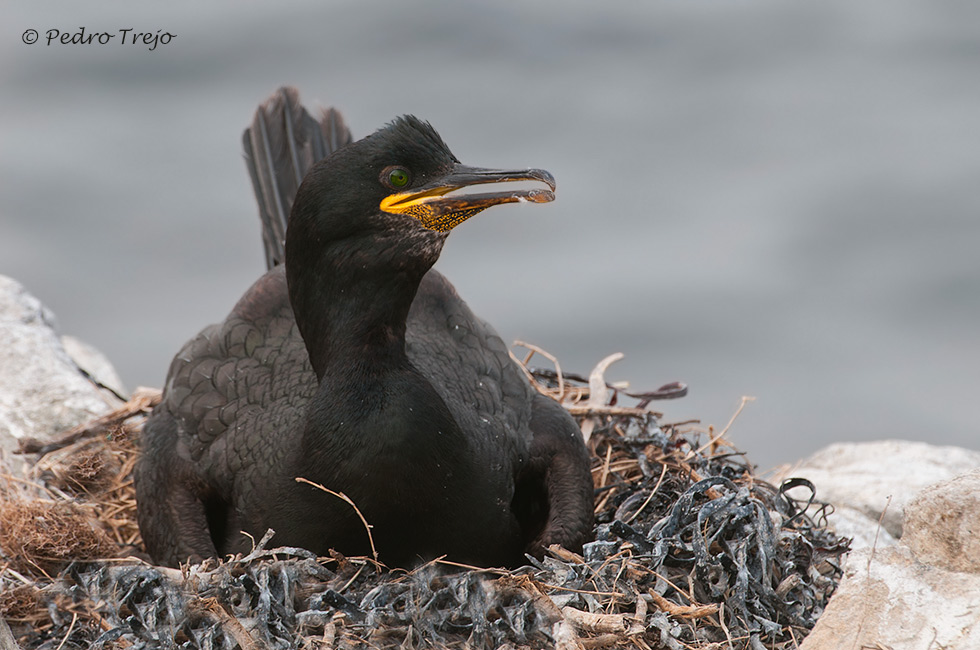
691, 550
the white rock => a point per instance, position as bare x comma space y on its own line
942, 524
42, 391
863, 531
899, 603
864, 475
93, 362
923, 592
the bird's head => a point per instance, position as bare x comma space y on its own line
401, 188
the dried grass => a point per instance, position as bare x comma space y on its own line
21, 603
45, 536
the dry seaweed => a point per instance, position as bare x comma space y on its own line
691, 551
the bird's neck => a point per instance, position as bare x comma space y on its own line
350, 314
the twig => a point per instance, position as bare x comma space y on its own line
663, 473
141, 402
341, 495
545, 585
622, 567
231, 625
549, 357
871, 556
874, 546
470, 567
724, 628
602, 480
565, 555
670, 584
353, 578
601, 641
74, 619
599, 623
745, 400
588, 410
17, 575
638, 626
330, 633
683, 611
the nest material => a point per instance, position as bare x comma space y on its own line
691, 551
46, 535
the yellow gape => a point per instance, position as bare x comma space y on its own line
431, 206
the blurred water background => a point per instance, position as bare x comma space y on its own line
755, 197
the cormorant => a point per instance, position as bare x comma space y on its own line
355, 366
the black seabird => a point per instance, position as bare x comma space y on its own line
355, 366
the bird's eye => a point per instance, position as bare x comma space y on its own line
395, 177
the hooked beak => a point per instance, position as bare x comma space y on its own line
436, 211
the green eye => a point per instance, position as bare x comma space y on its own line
398, 177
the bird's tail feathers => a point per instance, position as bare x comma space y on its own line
281, 145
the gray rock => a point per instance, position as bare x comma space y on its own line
942, 524
42, 390
863, 476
